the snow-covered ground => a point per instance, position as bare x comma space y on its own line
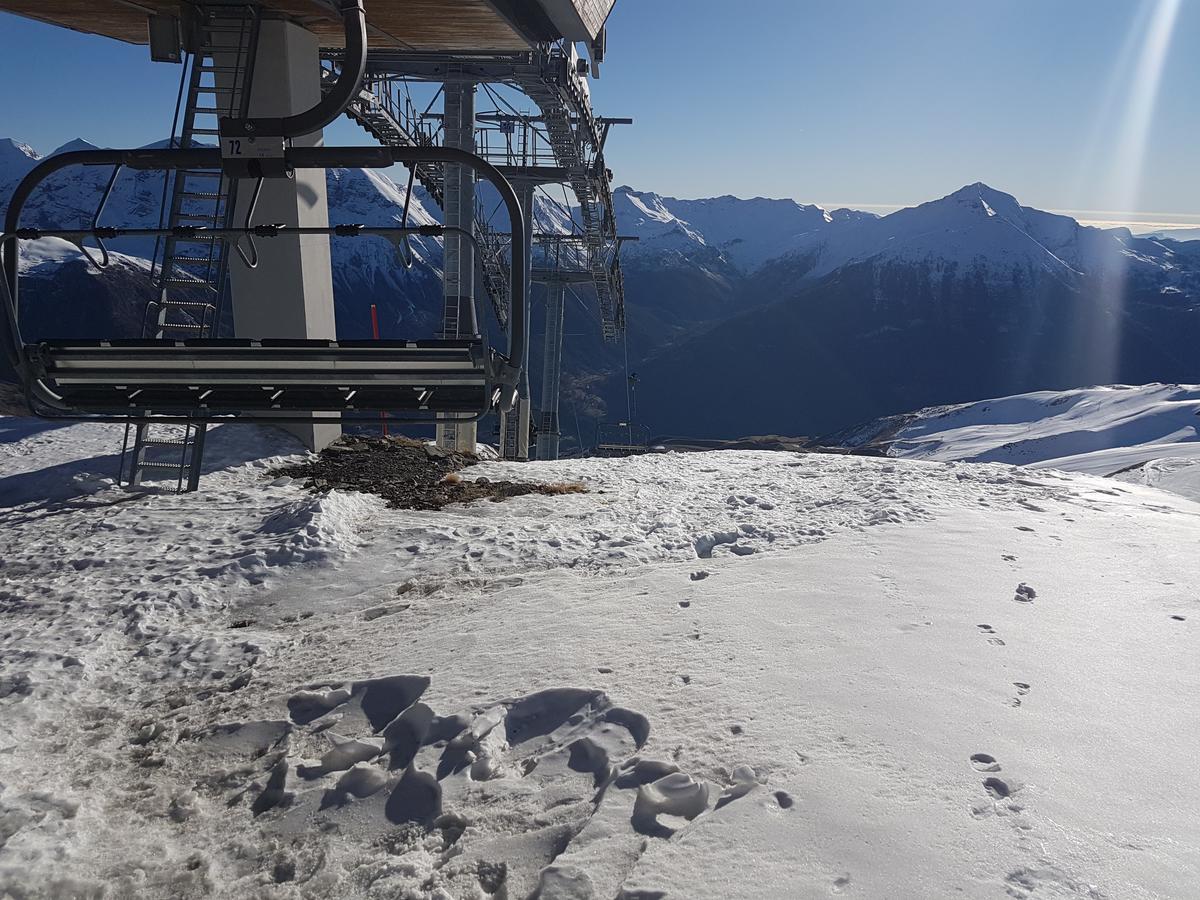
736, 674
1148, 434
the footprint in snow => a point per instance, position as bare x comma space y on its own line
370, 754
994, 640
1000, 791
1024, 593
998, 788
985, 762
1022, 690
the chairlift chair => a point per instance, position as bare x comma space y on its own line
622, 439
143, 380
274, 380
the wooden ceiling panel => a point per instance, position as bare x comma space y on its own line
413, 24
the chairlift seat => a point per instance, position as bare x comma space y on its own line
209, 377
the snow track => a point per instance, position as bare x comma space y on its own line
714, 675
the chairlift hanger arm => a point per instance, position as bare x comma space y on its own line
332, 104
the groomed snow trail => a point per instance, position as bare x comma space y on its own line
714, 675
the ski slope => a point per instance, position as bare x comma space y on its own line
1144, 433
731, 674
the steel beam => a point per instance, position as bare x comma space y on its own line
548, 433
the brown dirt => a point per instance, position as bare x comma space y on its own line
408, 474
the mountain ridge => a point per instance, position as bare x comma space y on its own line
1009, 298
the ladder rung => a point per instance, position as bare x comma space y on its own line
161, 442
196, 217
160, 465
205, 131
191, 259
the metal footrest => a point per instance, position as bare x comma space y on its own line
208, 377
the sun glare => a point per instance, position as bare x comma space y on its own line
1121, 144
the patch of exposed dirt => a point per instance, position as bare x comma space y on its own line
408, 474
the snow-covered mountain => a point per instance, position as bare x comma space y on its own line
743, 233
1175, 234
761, 316
1140, 433
969, 296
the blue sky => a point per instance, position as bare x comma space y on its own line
873, 103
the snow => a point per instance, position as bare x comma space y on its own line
46, 254
1173, 234
808, 675
1105, 430
747, 233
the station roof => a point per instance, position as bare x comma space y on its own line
425, 25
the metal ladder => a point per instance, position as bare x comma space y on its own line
193, 270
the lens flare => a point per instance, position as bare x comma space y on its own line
1129, 158
1141, 72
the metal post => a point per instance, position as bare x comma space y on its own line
458, 318
548, 434
514, 425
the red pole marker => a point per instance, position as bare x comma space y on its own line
375, 335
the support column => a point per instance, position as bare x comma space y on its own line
290, 293
548, 434
458, 318
514, 425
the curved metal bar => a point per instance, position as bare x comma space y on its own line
354, 67
237, 245
103, 262
406, 258
296, 158
333, 104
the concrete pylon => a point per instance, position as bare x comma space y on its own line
290, 293
458, 204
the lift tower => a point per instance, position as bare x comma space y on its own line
562, 142
531, 46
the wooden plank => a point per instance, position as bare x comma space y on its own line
416, 24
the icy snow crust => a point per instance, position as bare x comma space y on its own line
716, 675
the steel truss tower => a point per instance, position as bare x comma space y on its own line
561, 143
